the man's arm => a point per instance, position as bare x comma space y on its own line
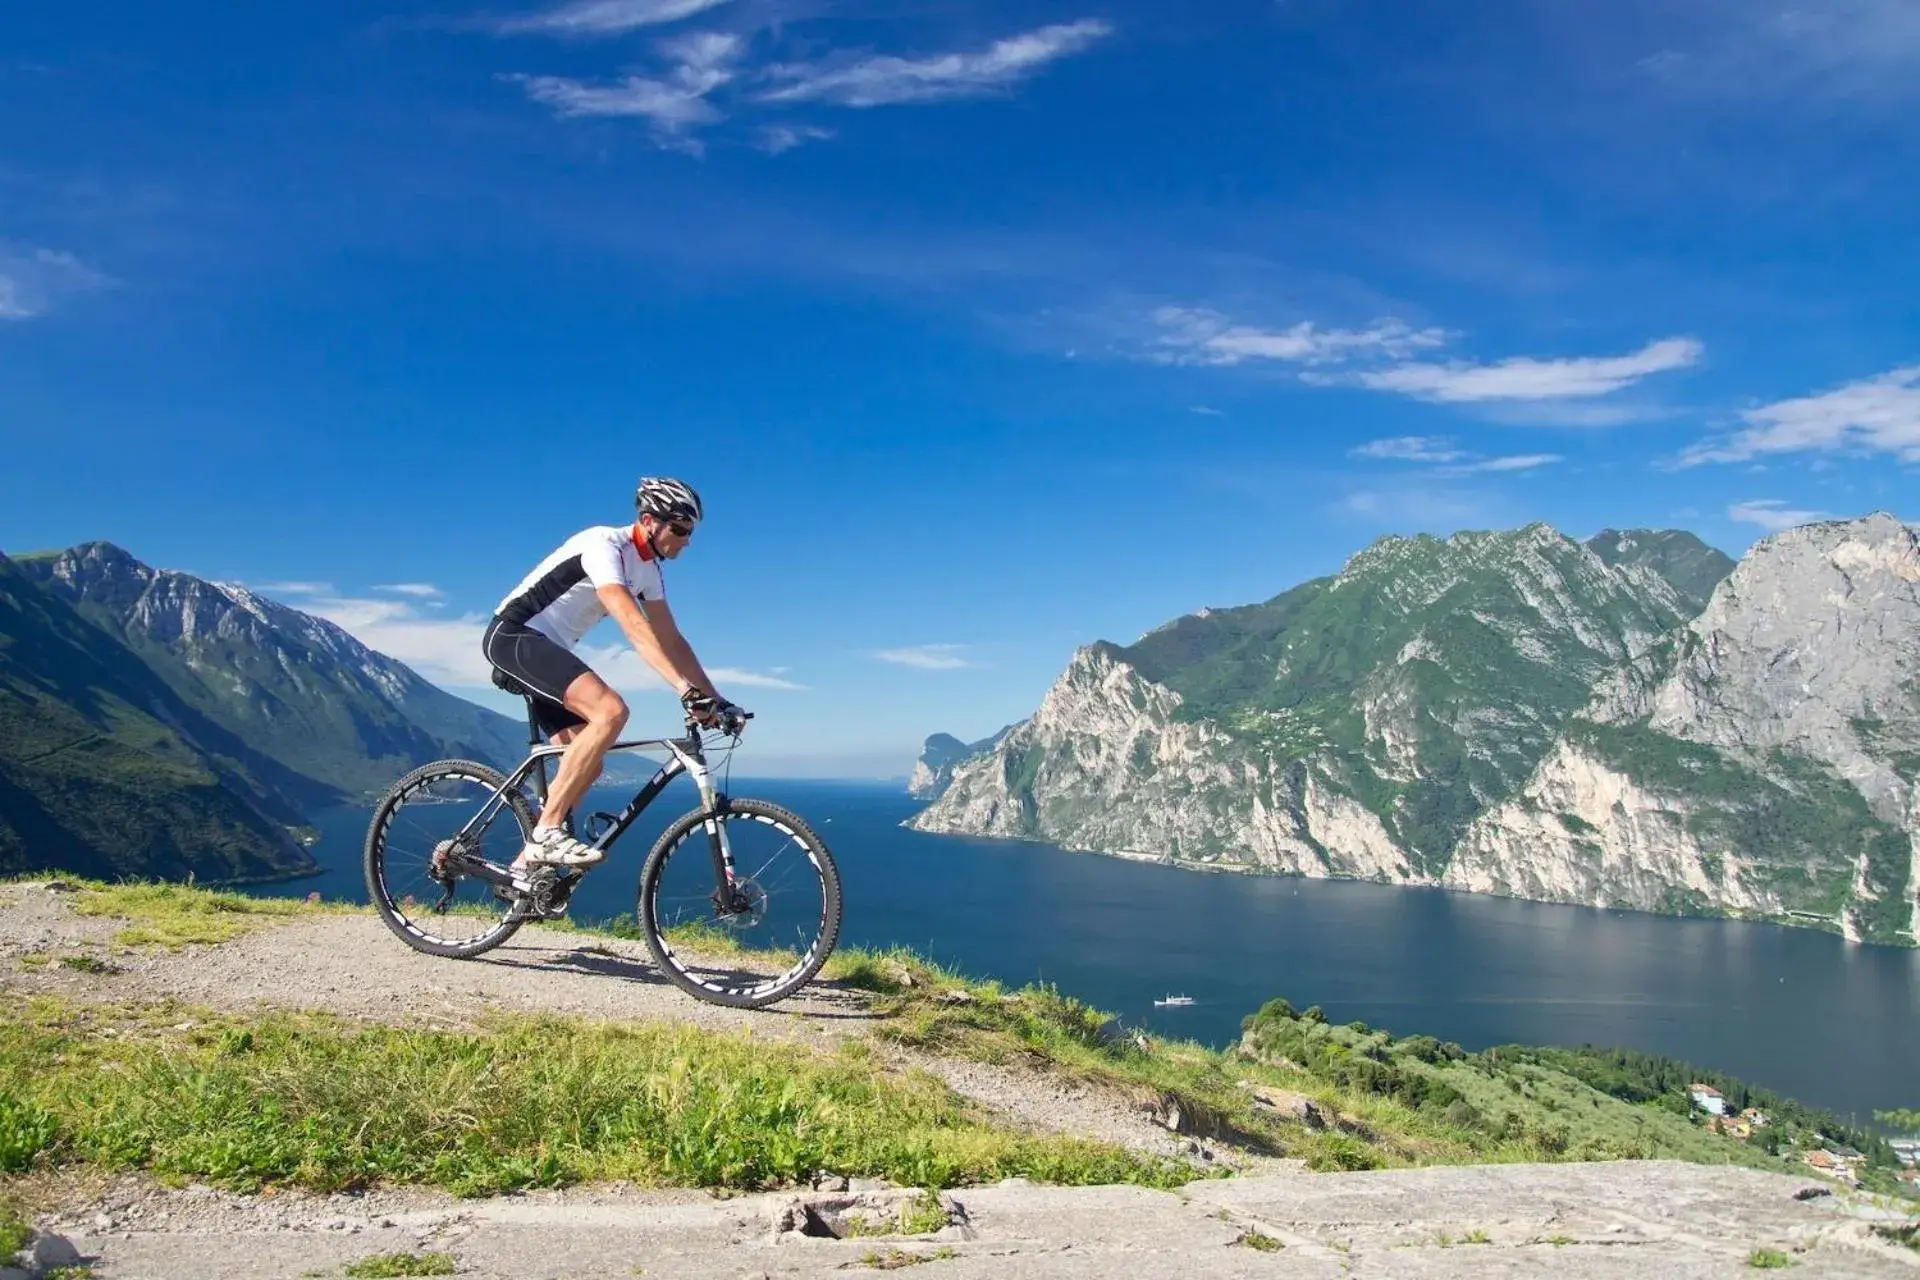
656, 637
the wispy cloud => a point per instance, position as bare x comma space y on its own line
1874, 415
418, 590
597, 18
1205, 411
776, 138
296, 588
926, 657
884, 80
1451, 460
1506, 463
1527, 378
740, 677
445, 651
1197, 335
1411, 449
1859, 50
675, 105
33, 281
1772, 514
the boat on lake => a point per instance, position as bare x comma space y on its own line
1174, 1000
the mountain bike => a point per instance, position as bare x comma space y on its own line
739, 900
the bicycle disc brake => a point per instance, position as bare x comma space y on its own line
744, 907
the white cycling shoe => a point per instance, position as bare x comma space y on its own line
553, 847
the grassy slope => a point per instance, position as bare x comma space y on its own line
327, 1102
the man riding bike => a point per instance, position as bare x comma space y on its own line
608, 569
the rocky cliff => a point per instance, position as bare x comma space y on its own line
938, 758
1617, 722
1761, 759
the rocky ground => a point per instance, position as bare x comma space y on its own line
1622, 1219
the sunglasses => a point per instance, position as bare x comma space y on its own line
680, 530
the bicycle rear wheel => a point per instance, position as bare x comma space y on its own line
422, 871
770, 937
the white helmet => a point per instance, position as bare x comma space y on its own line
667, 499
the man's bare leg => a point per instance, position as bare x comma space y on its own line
606, 715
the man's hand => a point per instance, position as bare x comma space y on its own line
712, 711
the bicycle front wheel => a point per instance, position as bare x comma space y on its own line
764, 938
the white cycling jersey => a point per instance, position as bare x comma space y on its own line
559, 598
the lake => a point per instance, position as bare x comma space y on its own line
1800, 1012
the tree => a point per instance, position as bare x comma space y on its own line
1900, 1119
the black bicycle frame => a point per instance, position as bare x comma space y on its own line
685, 755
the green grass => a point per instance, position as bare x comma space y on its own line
894, 1259
921, 1215
543, 1101
89, 964
1256, 1240
528, 1101
1768, 1259
16, 1233
176, 915
382, 1265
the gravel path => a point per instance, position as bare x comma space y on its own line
352, 966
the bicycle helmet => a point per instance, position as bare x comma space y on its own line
667, 499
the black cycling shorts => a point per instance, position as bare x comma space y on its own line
539, 668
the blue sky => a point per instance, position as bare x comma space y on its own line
986, 329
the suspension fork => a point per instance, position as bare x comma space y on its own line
713, 802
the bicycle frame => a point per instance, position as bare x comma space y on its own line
684, 755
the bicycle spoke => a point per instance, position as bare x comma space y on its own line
428, 838
766, 936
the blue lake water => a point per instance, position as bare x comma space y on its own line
1804, 1013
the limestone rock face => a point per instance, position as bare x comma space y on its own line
1631, 721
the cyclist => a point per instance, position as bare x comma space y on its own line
608, 569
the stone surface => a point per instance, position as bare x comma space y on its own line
1652, 1219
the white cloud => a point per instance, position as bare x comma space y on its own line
1874, 415
776, 138
603, 17
1455, 462
33, 281
445, 651
1411, 449
1527, 378
295, 588
925, 657
675, 105
1858, 50
880, 81
1197, 335
731, 677
418, 590
1772, 514
1205, 411
1511, 462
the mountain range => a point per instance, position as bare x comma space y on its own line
1629, 721
156, 724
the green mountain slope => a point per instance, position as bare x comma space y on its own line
100, 771
341, 719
